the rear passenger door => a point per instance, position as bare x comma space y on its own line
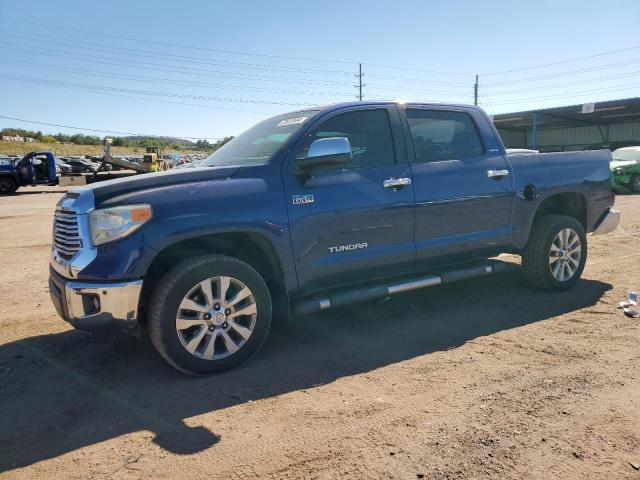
462, 182
348, 225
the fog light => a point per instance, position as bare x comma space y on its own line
90, 303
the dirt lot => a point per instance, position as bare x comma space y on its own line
484, 379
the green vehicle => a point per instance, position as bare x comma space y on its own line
625, 169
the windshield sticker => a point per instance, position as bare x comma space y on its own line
291, 121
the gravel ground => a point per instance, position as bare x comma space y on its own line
483, 379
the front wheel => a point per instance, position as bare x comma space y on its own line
634, 185
7, 186
209, 313
556, 252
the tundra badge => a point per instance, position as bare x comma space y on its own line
302, 199
346, 248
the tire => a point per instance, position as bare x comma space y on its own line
236, 336
634, 184
549, 262
7, 186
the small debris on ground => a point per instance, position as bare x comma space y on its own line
630, 307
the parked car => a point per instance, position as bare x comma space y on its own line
625, 169
81, 165
190, 164
318, 209
62, 167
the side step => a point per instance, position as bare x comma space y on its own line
381, 292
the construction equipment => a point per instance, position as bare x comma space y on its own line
152, 158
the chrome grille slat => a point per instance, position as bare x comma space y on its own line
66, 235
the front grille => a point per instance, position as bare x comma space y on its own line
66, 236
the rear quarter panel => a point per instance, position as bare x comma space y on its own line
585, 172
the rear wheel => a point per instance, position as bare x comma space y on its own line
7, 186
209, 313
556, 253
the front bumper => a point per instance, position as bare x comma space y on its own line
608, 223
95, 306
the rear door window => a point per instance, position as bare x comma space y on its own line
441, 135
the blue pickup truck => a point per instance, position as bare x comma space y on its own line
318, 209
35, 168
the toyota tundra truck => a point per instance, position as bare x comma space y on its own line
314, 210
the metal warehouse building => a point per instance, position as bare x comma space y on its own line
611, 124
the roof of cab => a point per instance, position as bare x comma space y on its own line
336, 106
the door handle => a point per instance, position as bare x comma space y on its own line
497, 174
396, 182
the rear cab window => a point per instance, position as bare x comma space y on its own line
443, 135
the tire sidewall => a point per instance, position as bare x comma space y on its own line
163, 319
11, 186
561, 224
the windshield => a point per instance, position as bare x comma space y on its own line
257, 145
626, 154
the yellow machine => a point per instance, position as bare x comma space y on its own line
151, 158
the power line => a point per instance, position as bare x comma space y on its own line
413, 69
568, 84
141, 78
615, 88
395, 88
566, 73
86, 129
169, 68
180, 58
420, 80
561, 62
188, 104
178, 45
106, 88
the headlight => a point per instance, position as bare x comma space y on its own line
110, 224
618, 171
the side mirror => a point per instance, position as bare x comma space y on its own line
325, 152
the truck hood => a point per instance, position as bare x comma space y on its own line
111, 188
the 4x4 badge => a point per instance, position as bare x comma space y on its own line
302, 199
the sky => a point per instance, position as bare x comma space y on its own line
208, 69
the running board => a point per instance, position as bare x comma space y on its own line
381, 292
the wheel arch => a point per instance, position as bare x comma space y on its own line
572, 204
250, 247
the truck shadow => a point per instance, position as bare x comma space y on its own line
65, 391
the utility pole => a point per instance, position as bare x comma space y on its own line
475, 92
360, 84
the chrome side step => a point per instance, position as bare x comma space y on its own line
381, 292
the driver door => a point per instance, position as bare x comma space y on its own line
347, 223
43, 166
25, 171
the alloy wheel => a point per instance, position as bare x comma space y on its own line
216, 318
565, 254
